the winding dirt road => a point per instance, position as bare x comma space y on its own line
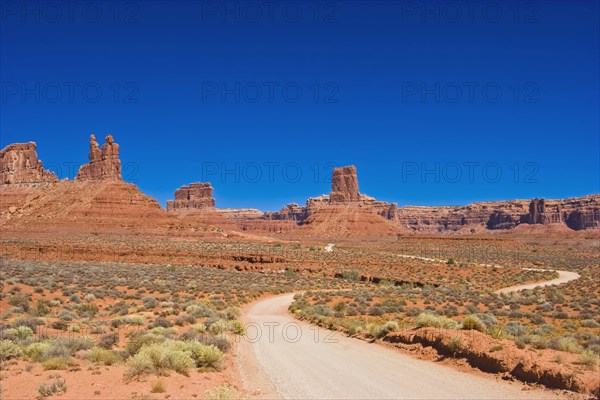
563, 277
294, 360
287, 358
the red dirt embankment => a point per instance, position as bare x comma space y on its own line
503, 357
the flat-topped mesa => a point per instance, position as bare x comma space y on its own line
104, 162
19, 164
344, 185
196, 196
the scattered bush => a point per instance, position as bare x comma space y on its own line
472, 322
19, 300
514, 329
56, 363
589, 359
57, 387
221, 393
160, 358
159, 386
102, 356
108, 341
8, 350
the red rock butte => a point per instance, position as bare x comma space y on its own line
104, 163
19, 164
196, 196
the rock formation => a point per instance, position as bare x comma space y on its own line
104, 163
577, 213
344, 192
19, 164
196, 196
344, 185
540, 214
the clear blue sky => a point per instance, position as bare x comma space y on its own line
495, 100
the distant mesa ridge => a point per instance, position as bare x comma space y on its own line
344, 208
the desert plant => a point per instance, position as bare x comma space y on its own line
218, 327
589, 359
56, 363
57, 387
472, 322
104, 357
224, 392
514, 329
108, 341
455, 344
8, 350
204, 355
159, 386
19, 300
160, 358
236, 327
428, 320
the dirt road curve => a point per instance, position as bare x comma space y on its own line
316, 366
563, 277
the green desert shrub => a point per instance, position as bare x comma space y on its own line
218, 327
589, 359
514, 329
590, 323
236, 327
56, 387
19, 300
430, 320
161, 358
203, 355
200, 310
472, 322
140, 339
103, 356
9, 349
220, 341
351, 274
223, 392
38, 351
565, 343
56, 363
108, 341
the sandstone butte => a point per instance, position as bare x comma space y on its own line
33, 200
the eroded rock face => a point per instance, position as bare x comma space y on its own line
578, 213
344, 185
104, 162
196, 196
19, 164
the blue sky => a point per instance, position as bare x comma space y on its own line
434, 102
